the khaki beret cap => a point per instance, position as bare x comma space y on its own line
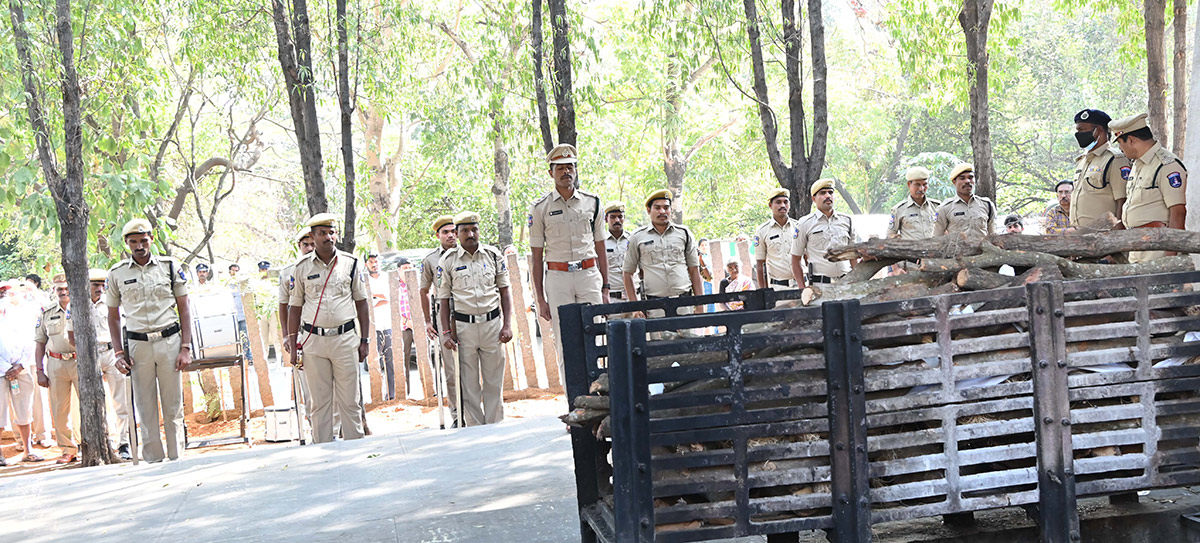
439, 222
916, 172
59, 281
322, 219
304, 232
136, 226
1120, 127
663, 194
961, 169
466, 217
776, 194
615, 206
564, 153
820, 185
97, 275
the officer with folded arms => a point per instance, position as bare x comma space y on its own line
152, 292
329, 295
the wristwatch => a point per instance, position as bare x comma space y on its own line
363, 340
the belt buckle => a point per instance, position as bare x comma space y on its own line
574, 266
154, 336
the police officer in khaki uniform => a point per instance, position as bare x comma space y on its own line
113, 380
665, 253
1157, 183
965, 213
329, 295
287, 283
817, 232
1101, 172
615, 246
152, 292
913, 217
443, 228
60, 373
475, 276
566, 235
773, 244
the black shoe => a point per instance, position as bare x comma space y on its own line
123, 453
455, 424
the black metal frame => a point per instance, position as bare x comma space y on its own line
847, 422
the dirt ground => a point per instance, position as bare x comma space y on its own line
383, 418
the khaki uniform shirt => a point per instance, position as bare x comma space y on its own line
287, 283
816, 235
912, 221
778, 242
51, 330
472, 280
616, 249
99, 321
147, 293
566, 230
663, 259
955, 216
344, 281
429, 268
1157, 182
1096, 189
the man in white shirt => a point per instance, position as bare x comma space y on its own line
382, 315
17, 387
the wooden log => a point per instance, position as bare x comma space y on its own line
400, 376
822, 292
994, 257
520, 303
865, 270
420, 337
549, 342
948, 246
981, 279
583, 417
256, 350
592, 402
1099, 244
510, 365
600, 385
376, 377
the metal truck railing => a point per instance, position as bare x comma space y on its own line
770, 421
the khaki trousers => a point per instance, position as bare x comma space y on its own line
158, 384
481, 360
331, 367
564, 288
114, 380
40, 415
63, 374
1145, 256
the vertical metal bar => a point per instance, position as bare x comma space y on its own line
847, 422
629, 397
583, 443
1059, 517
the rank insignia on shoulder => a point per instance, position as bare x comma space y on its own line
1175, 180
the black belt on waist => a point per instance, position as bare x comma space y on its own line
819, 279
465, 317
336, 331
683, 294
616, 295
106, 346
781, 282
153, 336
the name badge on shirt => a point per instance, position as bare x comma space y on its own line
130, 281
776, 236
558, 212
460, 268
912, 214
56, 317
960, 213
314, 276
648, 242
815, 232
610, 250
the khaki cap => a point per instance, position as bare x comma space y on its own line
820, 185
97, 275
59, 281
466, 217
136, 226
1120, 127
615, 206
916, 172
304, 232
439, 222
564, 153
322, 219
961, 169
776, 194
663, 194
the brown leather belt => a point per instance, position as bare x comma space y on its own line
571, 266
61, 356
1153, 224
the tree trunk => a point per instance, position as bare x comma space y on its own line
346, 241
72, 210
974, 19
675, 166
815, 161
564, 96
501, 172
539, 83
1154, 12
1191, 150
295, 60
1179, 79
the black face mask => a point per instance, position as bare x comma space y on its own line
1085, 138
